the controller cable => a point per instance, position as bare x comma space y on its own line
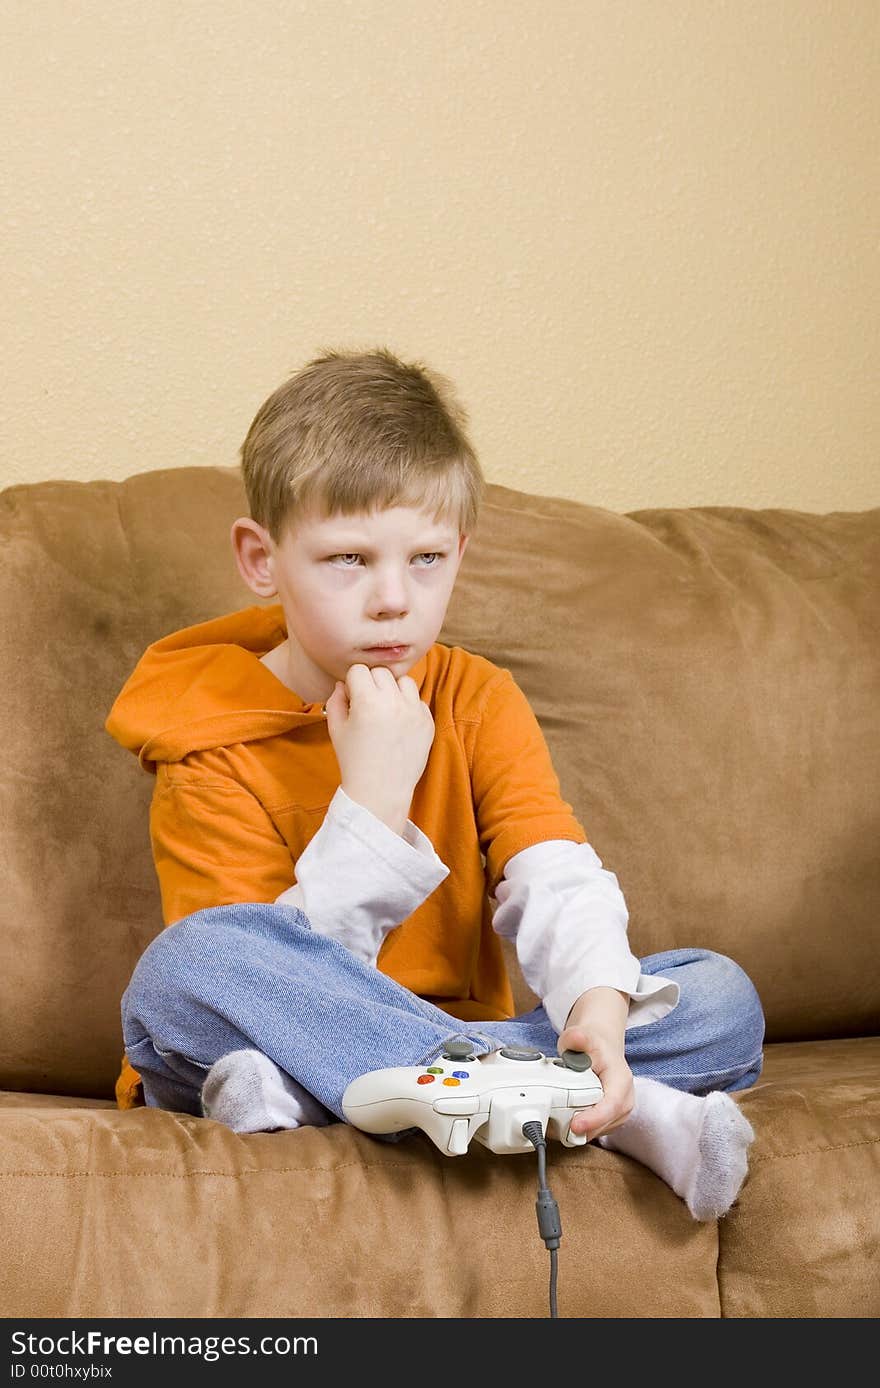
549, 1223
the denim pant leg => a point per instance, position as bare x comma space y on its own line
234, 977
713, 1038
257, 976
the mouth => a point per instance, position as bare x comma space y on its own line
389, 652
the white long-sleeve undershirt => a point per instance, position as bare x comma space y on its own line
357, 879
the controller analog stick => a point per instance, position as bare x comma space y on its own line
458, 1050
576, 1060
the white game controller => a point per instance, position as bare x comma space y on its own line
459, 1096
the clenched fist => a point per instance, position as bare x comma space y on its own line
382, 733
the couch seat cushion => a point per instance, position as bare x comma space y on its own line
152, 1214
805, 1237
159, 1214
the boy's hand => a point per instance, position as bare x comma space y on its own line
382, 733
596, 1024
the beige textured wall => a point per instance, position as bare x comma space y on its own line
641, 235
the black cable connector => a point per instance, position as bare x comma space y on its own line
549, 1223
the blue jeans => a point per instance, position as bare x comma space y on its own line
257, 976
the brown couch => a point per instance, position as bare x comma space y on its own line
708, 682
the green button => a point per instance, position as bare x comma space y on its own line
435, 1069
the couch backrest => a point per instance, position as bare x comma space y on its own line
707, 681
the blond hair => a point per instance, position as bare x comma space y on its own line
356, 432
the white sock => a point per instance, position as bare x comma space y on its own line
250, 1094
698, 1146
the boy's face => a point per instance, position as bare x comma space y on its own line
351, 584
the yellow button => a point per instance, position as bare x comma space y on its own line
452, 1081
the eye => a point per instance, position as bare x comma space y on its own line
432, 558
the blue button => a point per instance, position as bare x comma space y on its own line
462, 1074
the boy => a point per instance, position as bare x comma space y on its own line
339, 798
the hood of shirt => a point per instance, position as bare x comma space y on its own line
206, 686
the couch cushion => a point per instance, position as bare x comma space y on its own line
93, 572
156, 1214
153, 1214
707, 680
17, 1098
806, 1237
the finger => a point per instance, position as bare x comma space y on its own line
597, 1119
382, 677
358, 677
572, 1039
337, 705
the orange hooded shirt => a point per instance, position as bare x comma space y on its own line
245, 772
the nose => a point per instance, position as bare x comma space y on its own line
388, 596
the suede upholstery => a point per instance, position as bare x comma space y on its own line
708, 681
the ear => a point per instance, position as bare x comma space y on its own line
462, 546
254, 550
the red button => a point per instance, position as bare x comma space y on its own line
425, 1079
